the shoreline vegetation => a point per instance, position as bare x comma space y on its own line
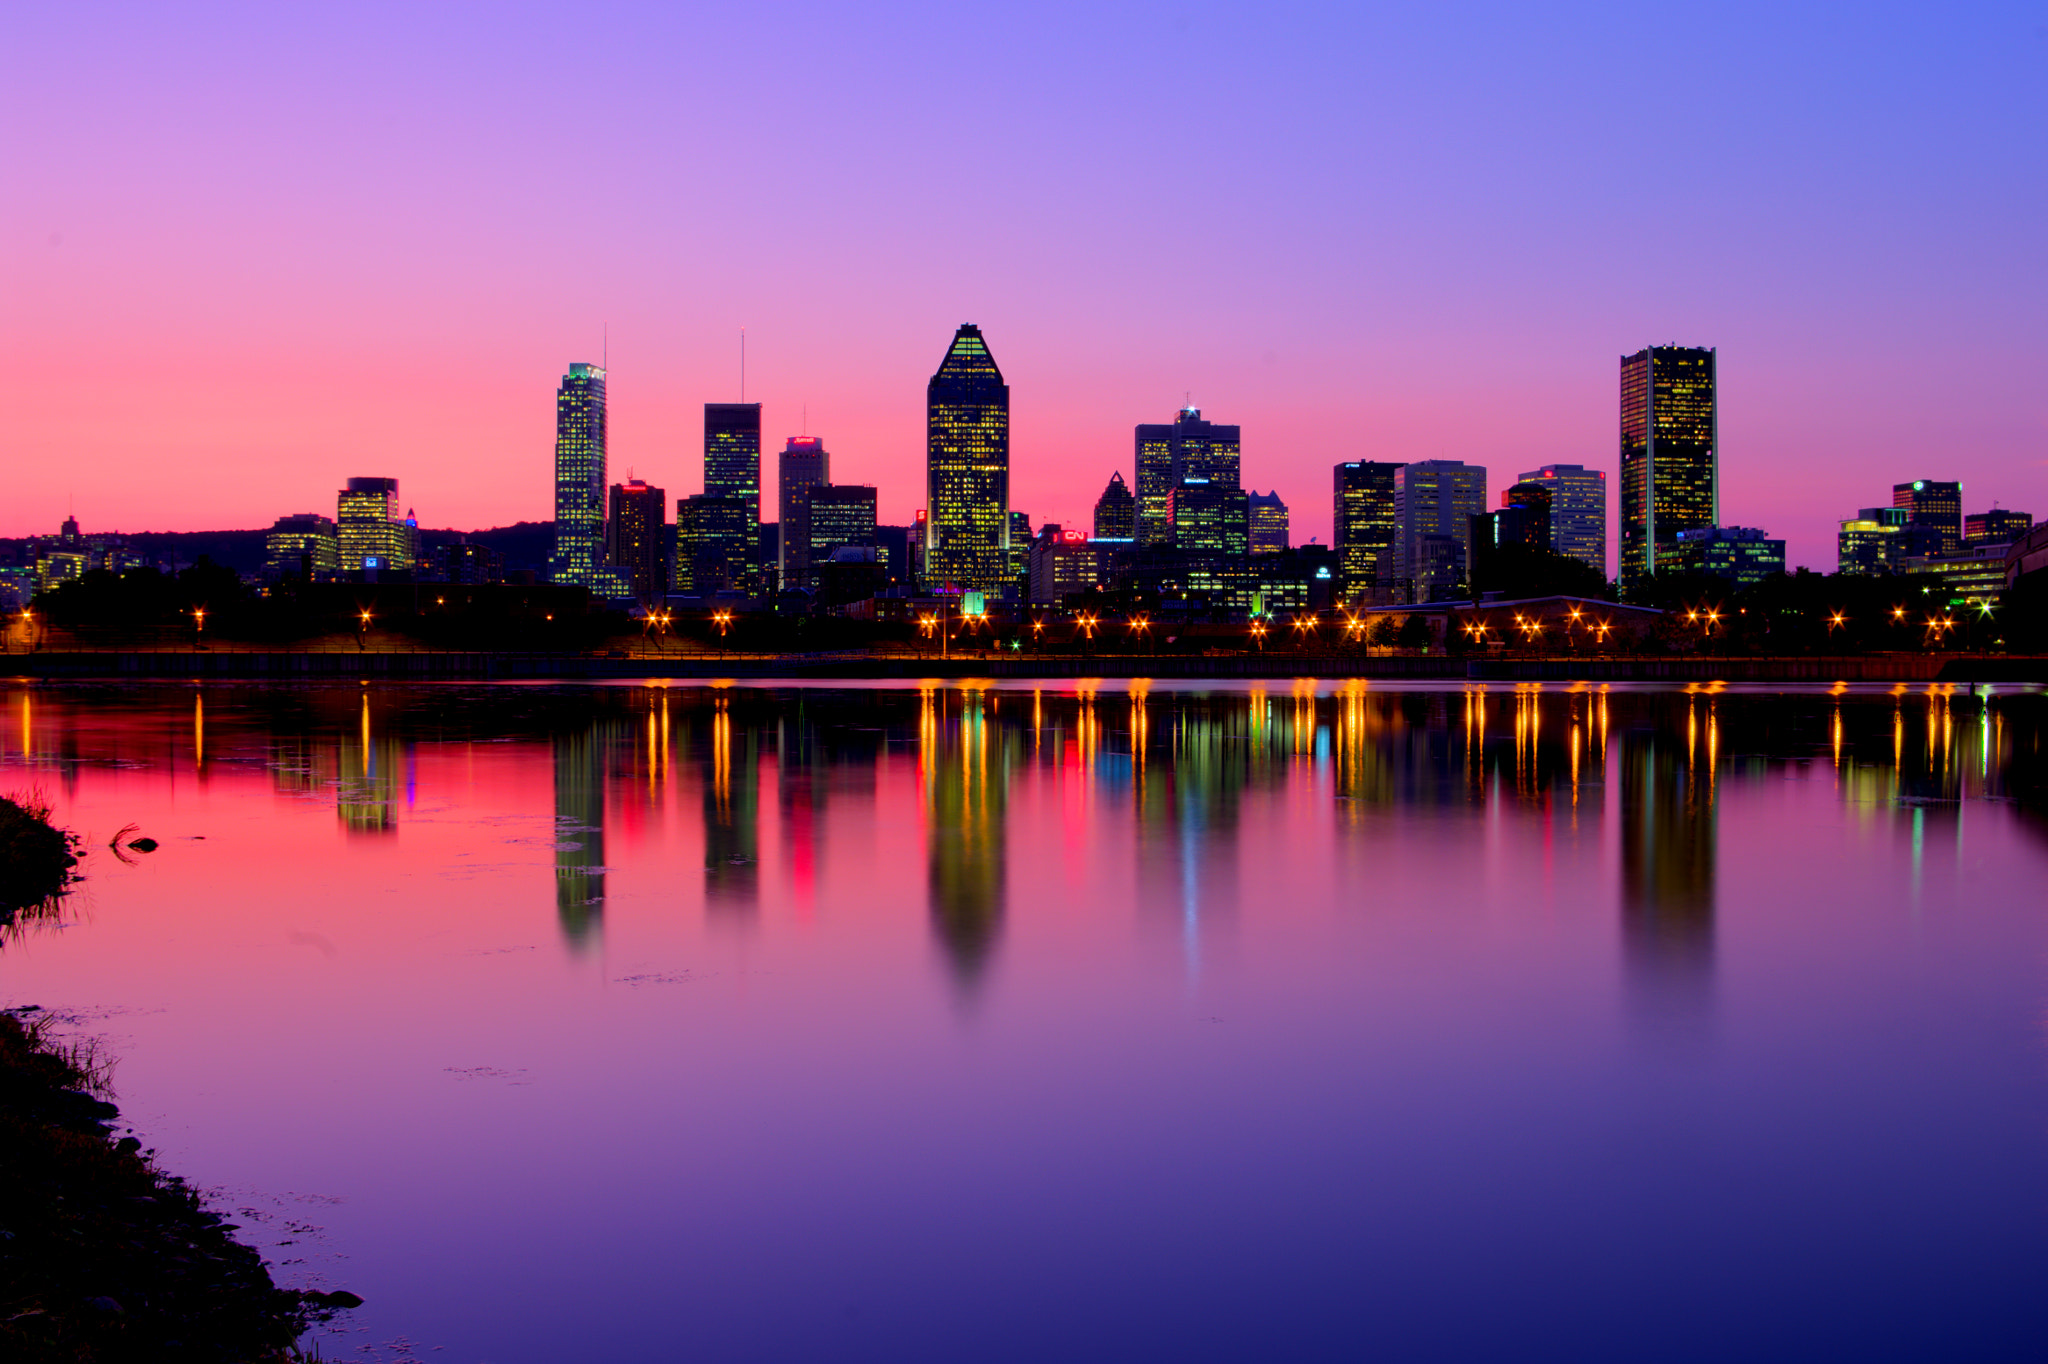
105, 1258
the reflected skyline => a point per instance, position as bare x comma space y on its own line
1175, 765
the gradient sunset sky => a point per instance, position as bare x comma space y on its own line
250, 251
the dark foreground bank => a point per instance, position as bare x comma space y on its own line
103, 1257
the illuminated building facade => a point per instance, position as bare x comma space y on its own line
1937, 507
303, 546
1167, 454
711, 543
967, 468
636, 538
1268, 518
1434, 503
1210, 518
1743, 555
1872, 541
1364, 526
1578, 511
1996, 527
369, 532
579, 478
803, 465
1670, 453
1064, 562
1116, 511
732, 456
842, 516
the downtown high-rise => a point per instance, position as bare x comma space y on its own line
805, 464
1167, 453
1670, 454
579, 557
1577, 511
967, 468
1364, 523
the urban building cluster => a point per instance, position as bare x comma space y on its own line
1183, 533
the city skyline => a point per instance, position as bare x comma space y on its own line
1407, 193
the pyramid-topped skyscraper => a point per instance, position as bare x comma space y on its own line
967, 468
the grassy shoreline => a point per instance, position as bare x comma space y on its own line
104, 1257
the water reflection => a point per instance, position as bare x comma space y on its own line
1645, 770
579, 767
963, 767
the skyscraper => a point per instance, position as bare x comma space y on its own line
1188, 448
1210, 518
732, 455
1268, 523
369, 532
804, 464
636, 535
1434, 503
967, 468
711, 543
1670, 452
1116, 511
579, 477
1364, 526
841, 515
1578, 511
1932, 506
1996, 527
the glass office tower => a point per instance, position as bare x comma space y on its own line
967, 468
1168, 455
579, 477
1116, 511
1670, 453
1932, 506
1578, 511
805, 463
732, 454
1364, 526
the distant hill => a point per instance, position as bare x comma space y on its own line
526, 544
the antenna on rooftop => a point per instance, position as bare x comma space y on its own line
743, 364
605, 357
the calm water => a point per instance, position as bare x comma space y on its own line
1337, 1022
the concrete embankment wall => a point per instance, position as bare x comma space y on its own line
431, 667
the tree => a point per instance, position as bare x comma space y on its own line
1414, 633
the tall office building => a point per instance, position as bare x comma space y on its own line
302, 546
967, 468
1116, 511
1167, 454
636, 538
1434, 503
1210, 518
579, 477
841, 516
1874, 540
804, 464
1933, 506
1996, 527
713, 548
1364, 527
369, 532
1268, 522
1578, 511
732, 455
1670, 452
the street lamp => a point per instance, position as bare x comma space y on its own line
198, 624
1259, 634
362, 629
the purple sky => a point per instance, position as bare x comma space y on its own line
247, 252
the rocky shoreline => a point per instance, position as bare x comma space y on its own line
103, 1256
